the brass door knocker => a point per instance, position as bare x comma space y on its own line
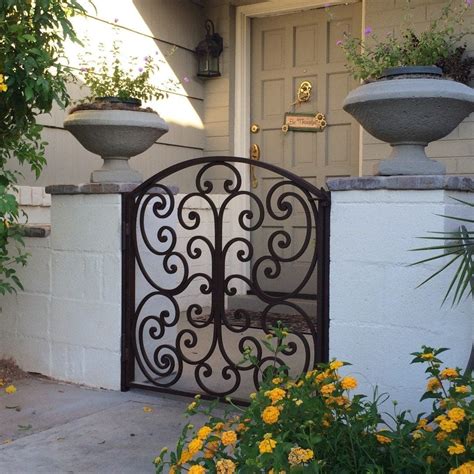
303, 93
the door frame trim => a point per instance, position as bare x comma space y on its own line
242, 79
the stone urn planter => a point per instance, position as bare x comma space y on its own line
409, 108
116, 130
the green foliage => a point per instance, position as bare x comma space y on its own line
315, 424
437, 45
456, 247
35, 73
111, 75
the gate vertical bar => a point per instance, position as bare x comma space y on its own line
128, 292
322, 243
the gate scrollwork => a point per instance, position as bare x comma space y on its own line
160, 270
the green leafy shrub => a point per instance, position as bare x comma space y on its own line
34, 76
437, 45
316, 424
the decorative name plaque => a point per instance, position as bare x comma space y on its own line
304, 122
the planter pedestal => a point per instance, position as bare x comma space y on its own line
116, 170
410, 159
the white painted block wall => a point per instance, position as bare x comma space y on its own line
67, 322
378, 317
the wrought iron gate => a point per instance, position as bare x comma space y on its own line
198, 271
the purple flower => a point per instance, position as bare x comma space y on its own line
186, 79
116, 20
84, 69
339, 42
368, 31
140, 69
469, 3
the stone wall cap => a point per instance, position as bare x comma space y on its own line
418, 182
99, 188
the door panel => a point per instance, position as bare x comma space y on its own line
287, 50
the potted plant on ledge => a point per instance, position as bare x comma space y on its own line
111, 122
415, 88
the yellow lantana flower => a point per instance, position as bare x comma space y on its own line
229, 437
186, 456
462, 389
328, 389
383, 439
225, 466
349, 383
194, 446
433, 385
456, 448
449, 373
196, 469
10, 389
423, 425
211, 449
300, 456
275, 395
277, 380
270, 415
323, 375
466, 468
448, 425
441, 436
456, 414
336, 364
204, 432
267, 445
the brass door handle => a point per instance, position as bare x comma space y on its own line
254, 155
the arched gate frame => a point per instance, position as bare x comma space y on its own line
161, 328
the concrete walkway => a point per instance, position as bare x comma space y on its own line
49, 427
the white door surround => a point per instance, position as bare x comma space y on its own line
242, 63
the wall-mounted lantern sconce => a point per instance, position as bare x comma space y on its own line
208, 52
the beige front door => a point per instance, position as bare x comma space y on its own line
287, 50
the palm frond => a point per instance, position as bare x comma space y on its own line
460, 247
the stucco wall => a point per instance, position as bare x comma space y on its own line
169, 29
457, 149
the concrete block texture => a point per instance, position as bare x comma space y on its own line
378, 315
